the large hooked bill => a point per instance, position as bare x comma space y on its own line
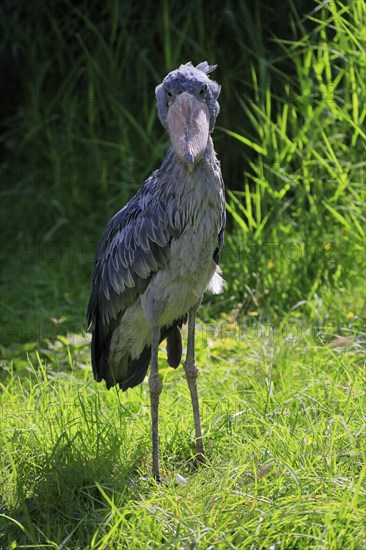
188, 122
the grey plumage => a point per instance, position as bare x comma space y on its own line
161, 251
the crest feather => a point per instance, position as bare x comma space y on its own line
206, 68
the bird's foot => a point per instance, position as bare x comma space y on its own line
157, 477
200, 459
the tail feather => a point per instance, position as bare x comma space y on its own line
174, 348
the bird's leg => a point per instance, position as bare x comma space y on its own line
191, 375
155, 386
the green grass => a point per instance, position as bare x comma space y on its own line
284, 422
299, 220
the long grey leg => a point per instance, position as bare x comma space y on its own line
155, 386
191, 375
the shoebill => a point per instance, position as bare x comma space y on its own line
160, 252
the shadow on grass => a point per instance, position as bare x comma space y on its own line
66, 501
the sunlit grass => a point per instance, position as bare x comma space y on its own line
299, 220
284, 430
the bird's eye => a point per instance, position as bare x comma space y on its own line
202, 91
168, 93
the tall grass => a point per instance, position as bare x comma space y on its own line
299, 221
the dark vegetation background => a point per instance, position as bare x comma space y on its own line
80, 134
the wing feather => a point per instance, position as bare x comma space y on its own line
135, 244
